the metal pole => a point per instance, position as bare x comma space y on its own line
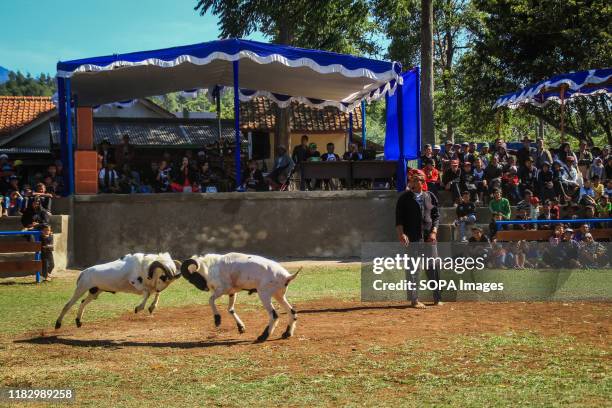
61, 93
563, 113
363, 124
401, 174
69, 139
351, 127
237, 124
217, 93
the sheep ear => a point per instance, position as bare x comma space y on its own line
177, 264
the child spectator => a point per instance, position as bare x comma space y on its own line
597, 187
46, 241
586, 190
510, 183
163, 177
432, 176
466, 214
604, 207
500, 205
544, 214
545, 185
15, 204
597, 169
34, 215
479, 180
608, 189
496, 216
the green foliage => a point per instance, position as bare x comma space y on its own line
25, 85
174, 102
340, 26
519, 42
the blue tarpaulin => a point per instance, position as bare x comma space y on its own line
403, 136
594, 81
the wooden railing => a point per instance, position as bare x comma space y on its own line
19, 268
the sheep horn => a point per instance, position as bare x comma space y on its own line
156, 264
185, 266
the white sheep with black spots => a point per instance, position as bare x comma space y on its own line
234, 272
141, 274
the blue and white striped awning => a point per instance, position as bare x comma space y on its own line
591, 82
283, 73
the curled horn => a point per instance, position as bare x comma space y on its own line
156, 264
195, 279
185, 266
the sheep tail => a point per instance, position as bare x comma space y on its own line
292, 277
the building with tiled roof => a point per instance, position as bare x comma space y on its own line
19, 111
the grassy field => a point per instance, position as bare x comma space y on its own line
344, 354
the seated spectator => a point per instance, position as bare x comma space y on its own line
108, 178
432, 176
451, 180
253, 178
163, 177
149, 179
129, 180
608, 189
330, 155
604, 207
466, 214
479, 180
485, 156
313, 153
597, 187
184, 177
528, 176
14, 205
522, 214
447, 156
544, 214
207, 179
555, 209
500, 205
57, 181
586, 190
493, 174
35, 215
579, 235
352, 154
510, 185
592, 253
545, 185
597, 169
428, 154
468, 181
529, 204
41, 193
478, 236
283, 165
571, 179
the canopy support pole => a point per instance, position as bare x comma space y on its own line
363, 124
350, 127
69, 139
237, 124
401, 161
562, 96
217, 94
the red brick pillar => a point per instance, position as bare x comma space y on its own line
86, 158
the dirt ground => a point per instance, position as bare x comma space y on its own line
329, 325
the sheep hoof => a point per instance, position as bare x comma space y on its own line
58, 324
264, 336
78, 323
287, 333
217, 320
137, 309
241, 329
151, 309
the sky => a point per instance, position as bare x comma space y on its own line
35, 35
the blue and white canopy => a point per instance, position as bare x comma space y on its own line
282, 73
591, 82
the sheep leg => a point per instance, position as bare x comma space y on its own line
142, 304
230, 308
153, 304
78, 292
282, 300
85, 302
211, 301
266, 300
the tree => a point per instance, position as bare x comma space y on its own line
520, 42
339, 26
25, 85
401, 21
427, 74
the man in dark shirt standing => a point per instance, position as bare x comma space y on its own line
301, 154
416, 221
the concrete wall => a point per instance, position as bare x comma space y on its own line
276, 224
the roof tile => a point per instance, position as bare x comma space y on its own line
18, 111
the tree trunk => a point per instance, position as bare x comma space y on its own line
448, 69
427, 83
282, 126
